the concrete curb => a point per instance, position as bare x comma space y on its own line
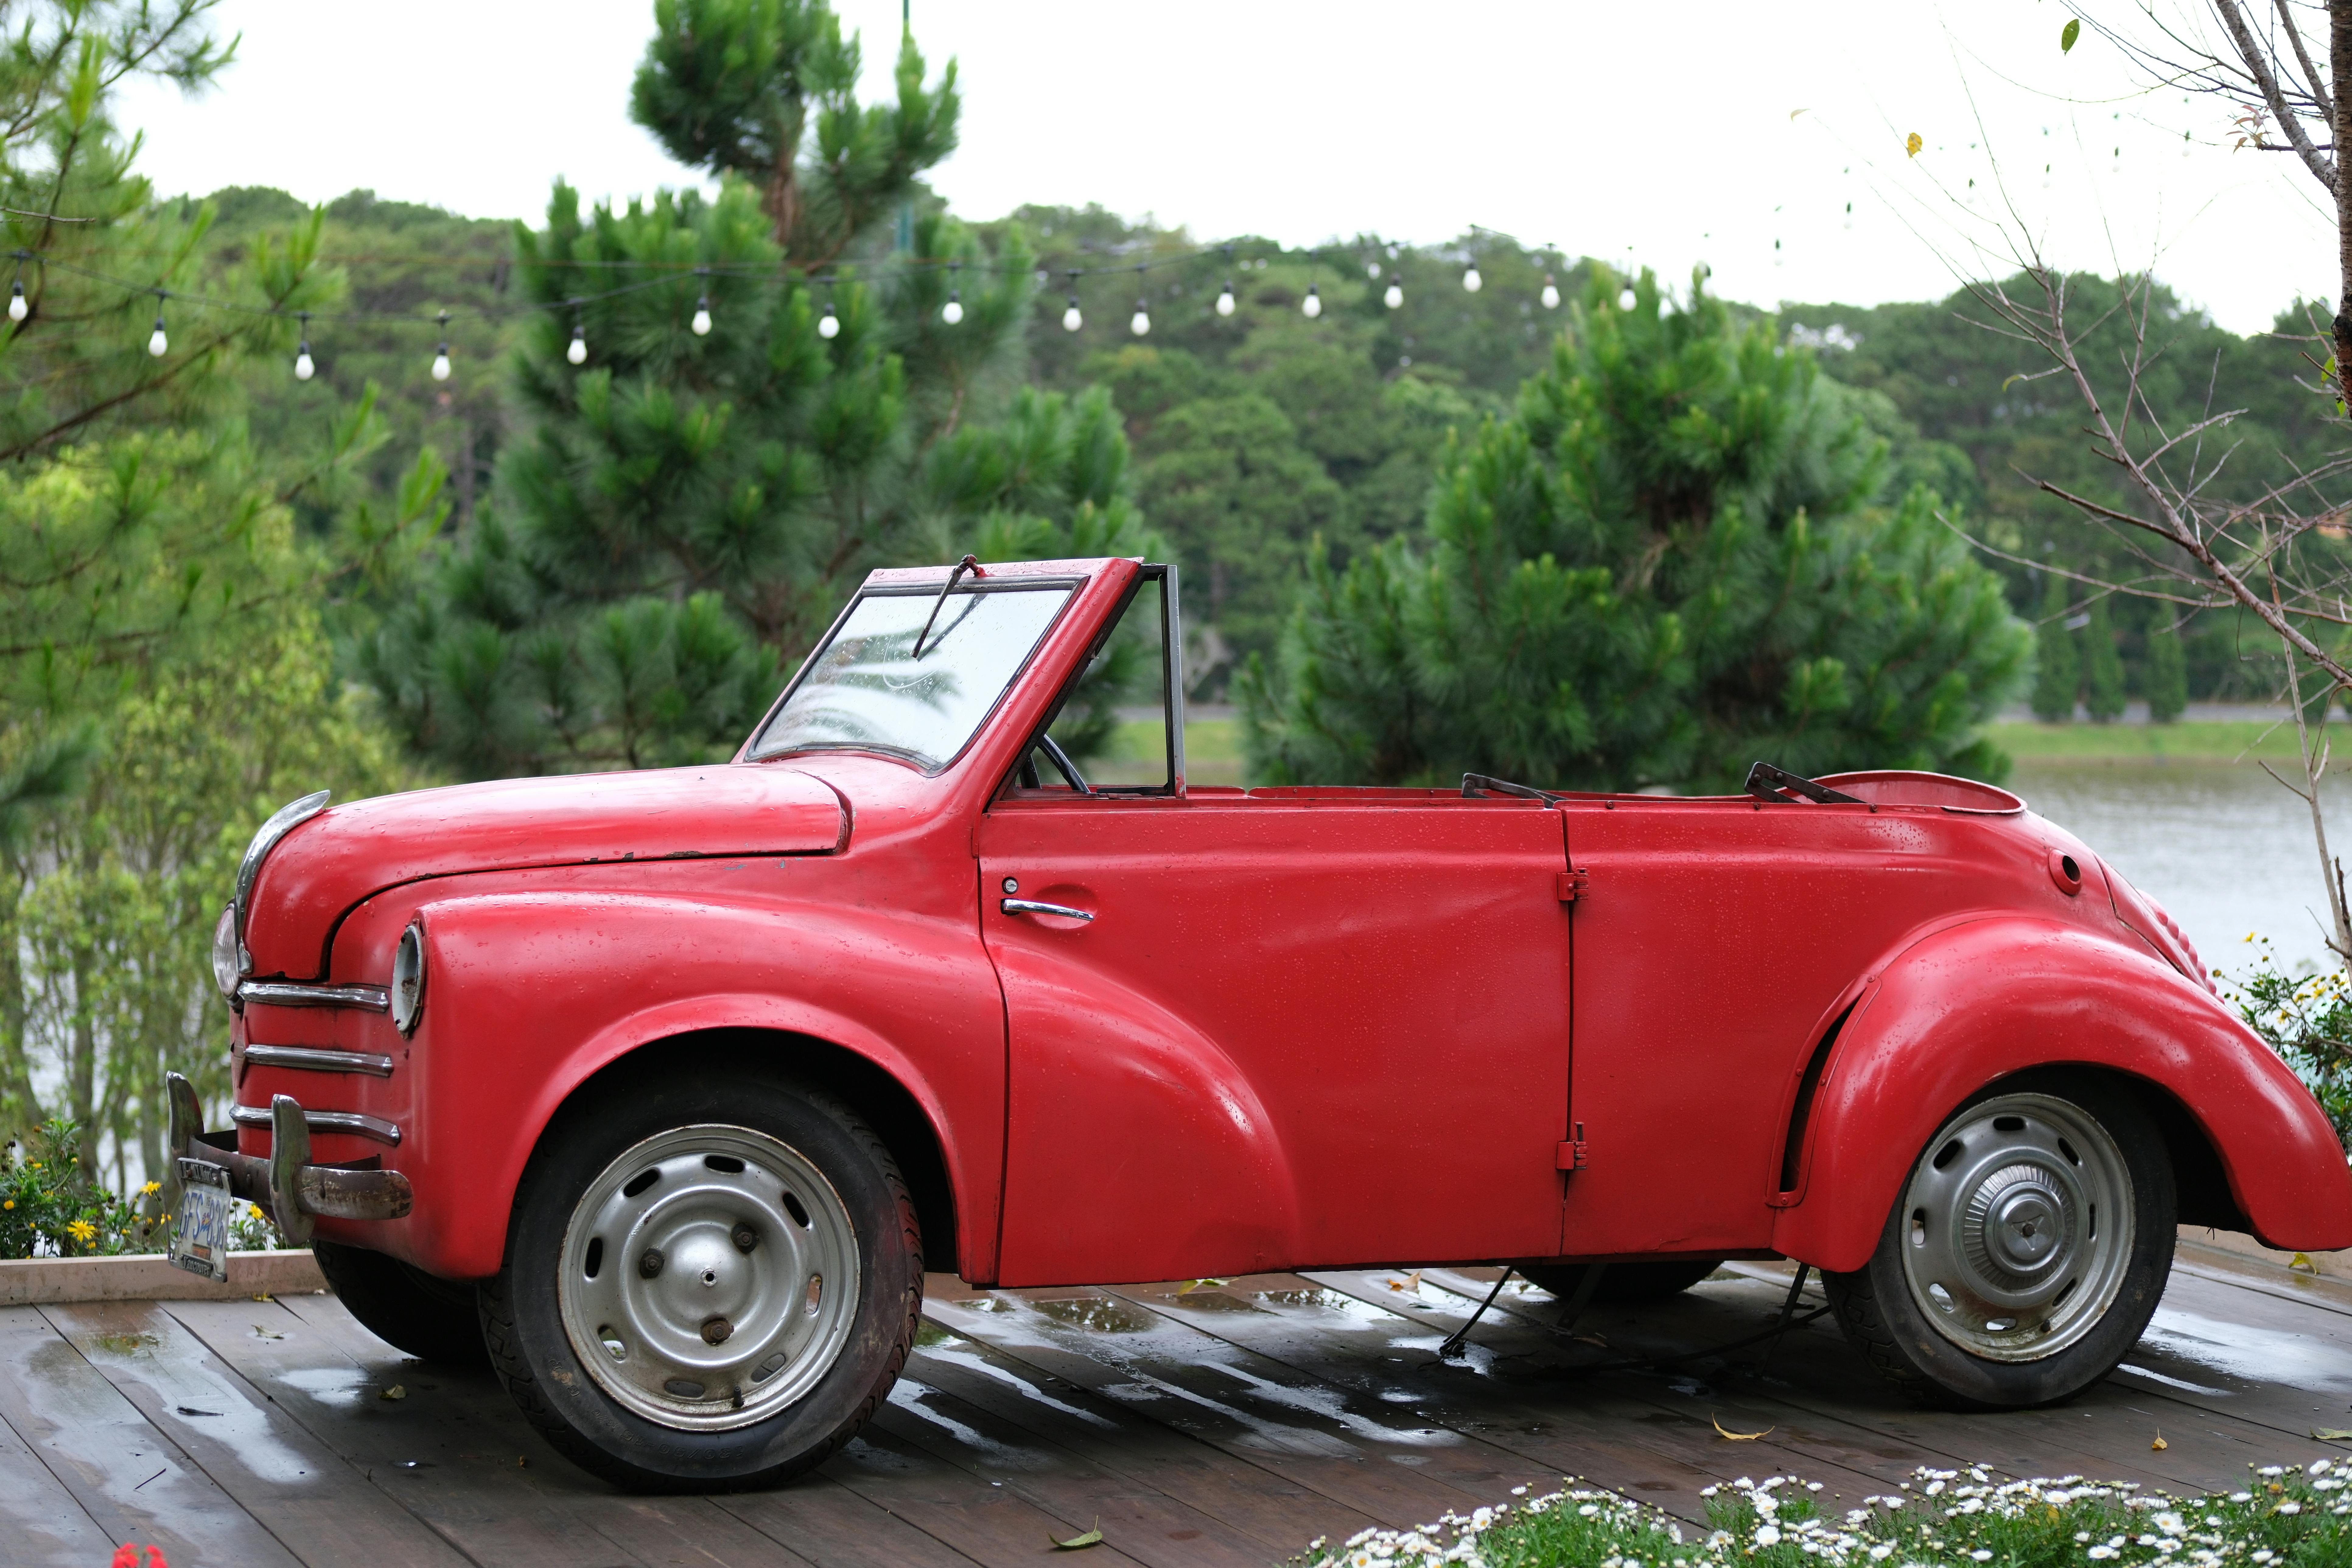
149, 1277
2324, 1265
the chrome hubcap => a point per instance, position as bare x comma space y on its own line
709, 1278
2017, 1227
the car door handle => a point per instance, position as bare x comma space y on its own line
1032, 907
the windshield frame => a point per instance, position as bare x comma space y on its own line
1071, 587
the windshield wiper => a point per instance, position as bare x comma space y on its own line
1767, 782
968, 563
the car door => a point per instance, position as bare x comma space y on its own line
1278, 1029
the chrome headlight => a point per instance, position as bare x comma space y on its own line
408, 979
227, 964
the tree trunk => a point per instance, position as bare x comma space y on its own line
2339, 72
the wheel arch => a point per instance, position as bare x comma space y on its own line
1975, 1004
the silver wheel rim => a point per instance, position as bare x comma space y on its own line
709, 1278
2017, 1227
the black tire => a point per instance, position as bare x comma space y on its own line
1625, 1284
1881, 1312
433, 1319
522, 1310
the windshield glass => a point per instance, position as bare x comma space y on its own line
866, 691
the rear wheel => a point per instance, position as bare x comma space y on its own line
428, 1317
706, 1286
1624, 1283
2026, 1253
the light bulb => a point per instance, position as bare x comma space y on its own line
702, 323
303, 368
828, 326
441, 363
952, 311
578, 353
1312, 305
17, 308
1627, 300
1140, 323
1395, 297
157, 344
1551, 295
1071, 319
1371, 269
1471, 280
1225, 299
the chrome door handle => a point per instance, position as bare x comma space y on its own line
1032, 907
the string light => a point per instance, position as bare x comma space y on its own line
1140, 323
1394, 296
1627, 298
1551, 295
1072, 319
1312, 305
828, 325
700, 325
18, 306
577, 350
303, 367
952, 311
157, 344
1471, 280
1225, 299
441, 354
1371, 269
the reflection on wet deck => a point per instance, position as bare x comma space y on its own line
1209, 1422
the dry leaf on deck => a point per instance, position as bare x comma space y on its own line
2333, 1434
1198, 1284
1410, 1282
1741, 1436
394, 1391
2302, 1263
2159, 1444
1080, 1542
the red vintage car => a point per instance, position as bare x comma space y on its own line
670, 1084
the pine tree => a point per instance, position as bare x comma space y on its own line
2102, 663
1665, 565
2167, 674
688, 508
2057, 672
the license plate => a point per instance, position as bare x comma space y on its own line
200, 1241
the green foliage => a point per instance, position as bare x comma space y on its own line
2057, 671
2103, 666
732, 86
2307, 1019
48, 1205
1938, 1519
2167, 675
1664, 566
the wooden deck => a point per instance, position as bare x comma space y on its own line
1224, 1426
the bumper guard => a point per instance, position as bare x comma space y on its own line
286, 1186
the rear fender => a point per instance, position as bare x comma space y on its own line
529, 996
1973, 1004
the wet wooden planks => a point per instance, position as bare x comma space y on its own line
1222, 1424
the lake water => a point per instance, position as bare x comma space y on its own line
2221, 846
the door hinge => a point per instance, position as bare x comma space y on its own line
1573, 884
1571, 1155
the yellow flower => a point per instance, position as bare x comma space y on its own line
81, 1230
9, 1204
151, 1188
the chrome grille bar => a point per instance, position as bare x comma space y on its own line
288, 993
309, 1058
351, 1121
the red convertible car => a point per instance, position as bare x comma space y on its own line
667, 1087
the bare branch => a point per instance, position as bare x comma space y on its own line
2242, 37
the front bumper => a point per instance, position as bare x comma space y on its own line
286, 1185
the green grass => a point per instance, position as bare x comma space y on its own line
2204, 740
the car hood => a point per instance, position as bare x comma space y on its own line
328, 865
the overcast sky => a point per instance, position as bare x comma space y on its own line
1659, 136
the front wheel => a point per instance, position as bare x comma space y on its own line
706, 1286
2026, 1253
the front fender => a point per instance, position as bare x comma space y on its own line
529, 995
1976, 1002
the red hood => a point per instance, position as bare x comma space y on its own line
326, 866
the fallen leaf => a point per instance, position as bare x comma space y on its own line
1794, 112
267, 1333
2159, 1444
2068, 33
1080, 1542
394, 1391
1911, 145
1410, 1282
1741, 1436
1197, 1284
2333, 1434
2302, 1260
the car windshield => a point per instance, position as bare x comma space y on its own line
867, 691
